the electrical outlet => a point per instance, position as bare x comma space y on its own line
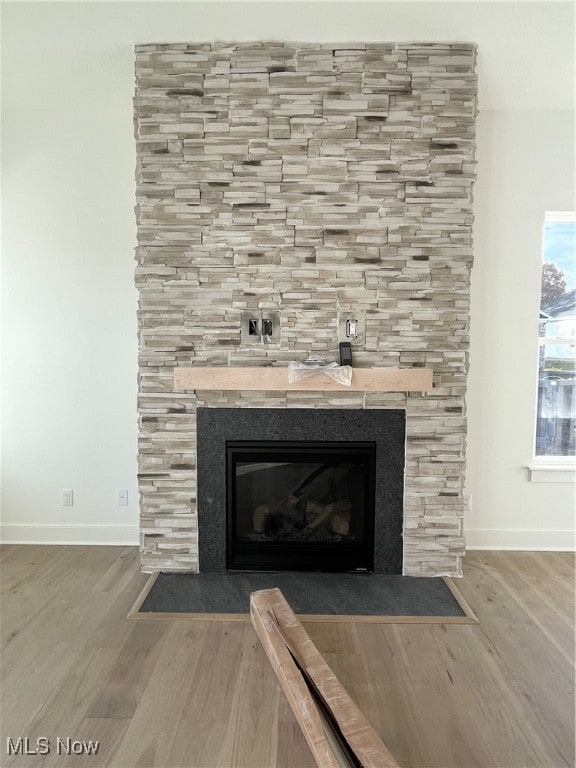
122, 497
352, 328
67, 497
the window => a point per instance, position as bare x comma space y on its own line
556, 409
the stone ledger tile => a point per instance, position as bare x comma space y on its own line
319, 181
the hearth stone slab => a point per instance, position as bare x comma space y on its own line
385, 428
331, 594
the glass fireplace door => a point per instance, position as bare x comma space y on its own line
300, 506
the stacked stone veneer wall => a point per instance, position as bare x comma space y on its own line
325, 182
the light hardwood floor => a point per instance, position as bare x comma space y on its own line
201, 694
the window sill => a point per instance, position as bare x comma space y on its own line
564, 472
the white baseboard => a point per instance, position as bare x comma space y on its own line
520, 539
128, 535
124, 535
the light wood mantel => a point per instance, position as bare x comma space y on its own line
276, 379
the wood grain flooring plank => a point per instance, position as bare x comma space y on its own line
27, 566
108, 733
331, 638
62, 713
372, 694
555, 585
80, 568
252, 736
292, 751
18, 608
530, 666
420, 713
483, 693
15, 717
120, 573
123, 686
553, 577
561, 563
7, 551
202, 729
152, 728
31, 667
553, 622
111, 630
45, 634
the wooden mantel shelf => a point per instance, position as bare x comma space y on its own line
276, 379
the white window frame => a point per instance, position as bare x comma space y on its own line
551, 469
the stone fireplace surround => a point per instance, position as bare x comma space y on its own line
325, 182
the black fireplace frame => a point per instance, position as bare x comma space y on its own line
386, 428
340, 556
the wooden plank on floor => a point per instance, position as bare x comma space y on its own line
286, 642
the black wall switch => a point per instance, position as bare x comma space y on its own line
345, 353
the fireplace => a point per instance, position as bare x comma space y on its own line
300, 506
271, 497
345, 196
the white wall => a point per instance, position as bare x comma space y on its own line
69, 394
523, 158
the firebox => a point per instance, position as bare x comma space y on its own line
300, 505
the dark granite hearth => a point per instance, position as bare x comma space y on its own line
329, 594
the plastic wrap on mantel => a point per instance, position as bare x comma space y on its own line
299, 372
